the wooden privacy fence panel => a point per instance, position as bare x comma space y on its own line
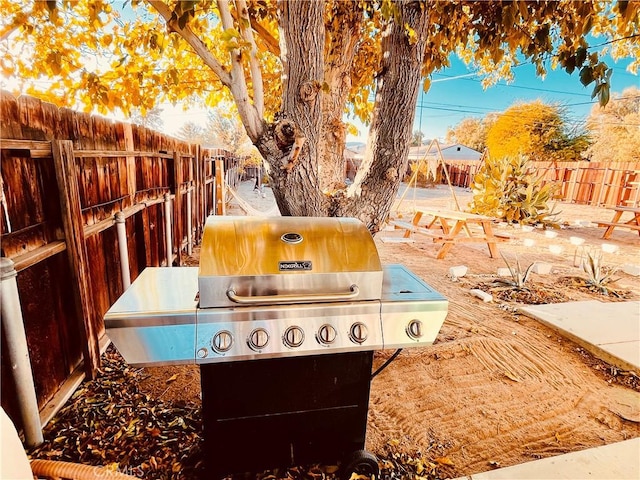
588, 183
64, 175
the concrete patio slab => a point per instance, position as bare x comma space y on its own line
617, 461
609, 330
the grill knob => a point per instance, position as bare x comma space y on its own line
293, 337
222, 341
358, 333
326, 334
258, 339
414, 329
202, 352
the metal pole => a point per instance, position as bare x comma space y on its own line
167, 228
13, 326
189, 226
123, 248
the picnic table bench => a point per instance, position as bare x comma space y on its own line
632, 224
446, 227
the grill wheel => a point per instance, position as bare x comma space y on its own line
361, 462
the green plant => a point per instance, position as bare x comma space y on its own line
518, 278
505, 188
599, 276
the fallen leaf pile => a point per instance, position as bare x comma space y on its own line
108, 422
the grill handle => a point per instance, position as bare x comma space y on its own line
354, 291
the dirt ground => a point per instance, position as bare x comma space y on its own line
496, 388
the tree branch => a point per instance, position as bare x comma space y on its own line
256, 73
270, 41
234, 81
249, 114
7, 31
194, 41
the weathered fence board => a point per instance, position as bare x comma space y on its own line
76, 251
589, 183
64, 175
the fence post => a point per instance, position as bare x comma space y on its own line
167, 228
123, 249
67, 179
18, 353
177, 203
189, 226
219, 187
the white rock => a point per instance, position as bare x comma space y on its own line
484, 296
576, 240
541, 268
504, 272
555, 249
458, 271
631, 269
550, 234
609, 248
529, 242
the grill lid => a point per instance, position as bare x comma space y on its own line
256, 260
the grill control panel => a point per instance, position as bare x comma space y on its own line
158, 321
264, 332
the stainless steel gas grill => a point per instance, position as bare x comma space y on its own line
283, 315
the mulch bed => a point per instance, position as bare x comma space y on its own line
109, 422
537, 293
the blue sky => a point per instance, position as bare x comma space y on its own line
454, 96
457, 93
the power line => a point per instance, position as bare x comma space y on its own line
500, 84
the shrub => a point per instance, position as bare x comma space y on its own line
504, 188
427, 173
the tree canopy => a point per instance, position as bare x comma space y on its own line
294, 68
615, 129
472, 131
536, 130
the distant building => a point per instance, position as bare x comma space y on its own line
354, 152
455, 151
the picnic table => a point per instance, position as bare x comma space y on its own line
454, 228
633, 223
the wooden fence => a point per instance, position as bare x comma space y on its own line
64, 177
587, 183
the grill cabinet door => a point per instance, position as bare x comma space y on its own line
284, 411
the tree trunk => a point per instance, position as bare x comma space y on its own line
306, 181
386, 155
343, 33
290, 145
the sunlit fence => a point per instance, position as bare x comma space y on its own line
587, 183
80, 194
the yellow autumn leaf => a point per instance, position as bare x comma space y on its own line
444, 461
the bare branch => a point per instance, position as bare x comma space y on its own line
239, 89
234, 80
256, 73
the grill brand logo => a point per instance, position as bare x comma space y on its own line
296, 265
